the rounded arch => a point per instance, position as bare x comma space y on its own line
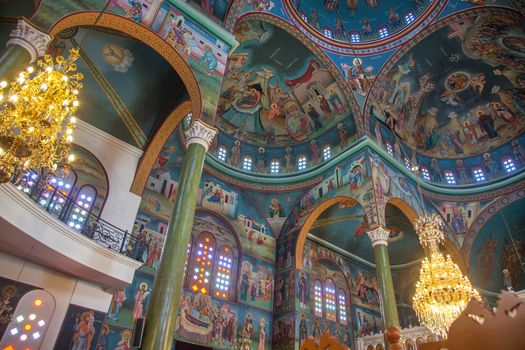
303, 232
143, 34
405, 208
155, 145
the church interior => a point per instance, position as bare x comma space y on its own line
262, 174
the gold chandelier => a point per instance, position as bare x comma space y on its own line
36, 116
442, 292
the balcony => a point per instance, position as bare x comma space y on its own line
41, 223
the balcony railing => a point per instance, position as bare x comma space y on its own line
58, 203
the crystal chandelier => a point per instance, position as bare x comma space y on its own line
36, 116
442, 291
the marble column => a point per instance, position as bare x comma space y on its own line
379, 237
25, 45
168, 285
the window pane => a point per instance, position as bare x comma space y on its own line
318, 298
201, 263
329, 297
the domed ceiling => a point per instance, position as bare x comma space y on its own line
466, 98
277, 95
359, 21
345, 227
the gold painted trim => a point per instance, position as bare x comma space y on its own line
155, 146
145, 35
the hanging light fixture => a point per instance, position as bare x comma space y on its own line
442, 292
37, 116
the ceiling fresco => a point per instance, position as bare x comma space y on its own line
281, 96
466, 99
121, 93
358, 21
500, 244
345, 227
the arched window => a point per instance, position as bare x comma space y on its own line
382, 32
450, 178
508, 164
425, 173
275, 166
318, 298
81, 207
341, 295
408, 165
221, 153
355, 37
201, 261
327, 32
247, 163
390, 149
327, 152
56, 191
223, 272
478, 173
301, 162
30, 320
410, 17
329, 299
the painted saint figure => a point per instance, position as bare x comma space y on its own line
83, 332
140, 298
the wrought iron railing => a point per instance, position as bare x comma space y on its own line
59, 204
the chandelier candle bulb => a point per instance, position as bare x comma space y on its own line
38, 111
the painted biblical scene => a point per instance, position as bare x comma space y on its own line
469, 105
214, 9
203, 320
80, 329
366, 322
359, 21
281, 96
257, 283
283, 331
499, 246
114, 338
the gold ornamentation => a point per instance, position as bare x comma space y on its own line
36, 116
442, 292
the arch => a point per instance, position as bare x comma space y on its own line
405, 208
143, 34
303, 232
155, 145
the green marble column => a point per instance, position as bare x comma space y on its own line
167, 288
379, 238
25, 45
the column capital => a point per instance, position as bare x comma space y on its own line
379, 235
30, 38
200, 133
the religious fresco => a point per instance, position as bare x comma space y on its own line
114, 338
282, 98
358, 21
256, 283
366, 322
405, 285
476, 105
80, 329
499, 245
283, 331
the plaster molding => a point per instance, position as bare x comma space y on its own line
32, 210
412, 333
33, 40
200, 133
108, 138
379, 236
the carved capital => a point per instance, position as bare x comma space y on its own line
30, 38
379, 235
200, 133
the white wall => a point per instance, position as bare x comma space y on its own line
120, 161
65, 290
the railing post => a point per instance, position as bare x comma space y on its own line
123, 242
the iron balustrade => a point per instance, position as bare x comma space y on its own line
60, 204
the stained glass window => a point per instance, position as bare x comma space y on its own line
450, 177
57, 190
478, 173
247, 163
329, 299
342, 306
202, 263
82, 206
223, 272
318, 298
221, 153
508, 165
